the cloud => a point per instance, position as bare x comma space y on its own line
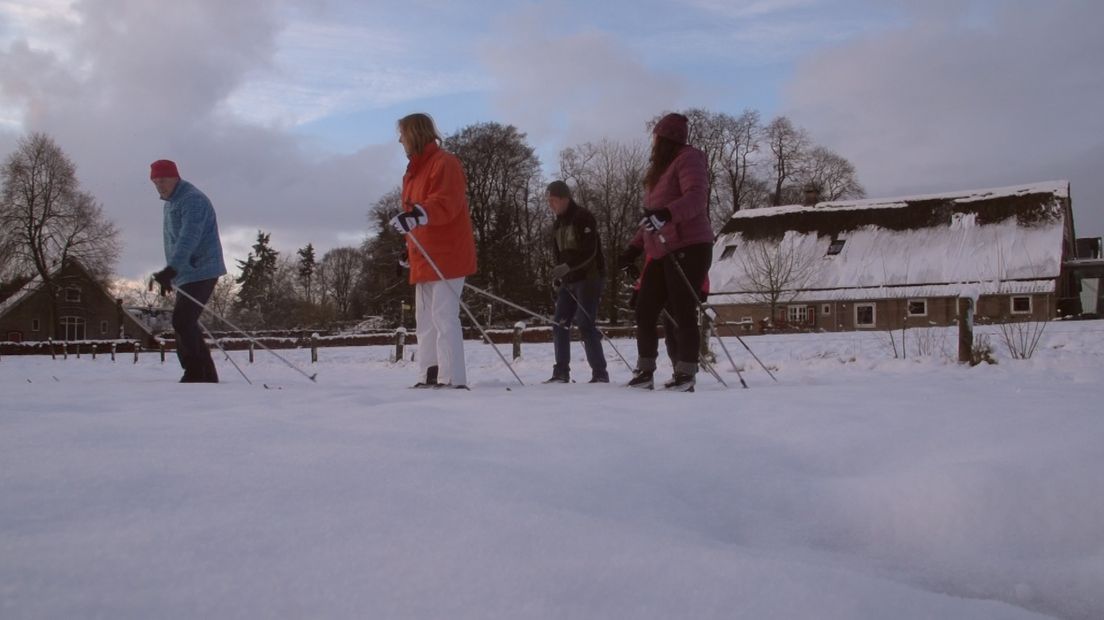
129, 81
324, 67
571, 87
966, 95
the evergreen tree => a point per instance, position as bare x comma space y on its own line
307, 268
258, 275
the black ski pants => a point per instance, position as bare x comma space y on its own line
662, 286
191, 348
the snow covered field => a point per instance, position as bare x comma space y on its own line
859, 486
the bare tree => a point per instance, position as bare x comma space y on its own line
777, 270
48, 220
787, 145
830, 173
338, 273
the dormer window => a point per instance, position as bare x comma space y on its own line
72, 295
728, 251
836, 246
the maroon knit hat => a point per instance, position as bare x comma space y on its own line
163, 169
675, 127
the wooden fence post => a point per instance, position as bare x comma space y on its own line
965, 329
400, 343
94, 347
519, 327
250, 351
64, 350
314, 348
53, 352
137, 348
162, 351
113, 351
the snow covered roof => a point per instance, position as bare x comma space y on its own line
899, 247
18, 296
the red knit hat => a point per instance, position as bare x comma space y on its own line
674, 127
163, 169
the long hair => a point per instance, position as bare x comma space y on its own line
419, 129
664, 151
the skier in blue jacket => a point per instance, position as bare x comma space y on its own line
193, 256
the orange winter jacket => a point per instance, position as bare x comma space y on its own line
435, 180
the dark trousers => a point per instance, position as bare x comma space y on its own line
191, 349
587, 294
661, 287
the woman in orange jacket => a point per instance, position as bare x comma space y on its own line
435, 212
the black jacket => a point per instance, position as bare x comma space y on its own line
575, 241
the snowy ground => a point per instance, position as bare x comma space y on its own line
859, 486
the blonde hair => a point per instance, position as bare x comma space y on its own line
419, 130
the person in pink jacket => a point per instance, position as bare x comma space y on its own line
674, 233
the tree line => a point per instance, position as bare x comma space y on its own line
752, 164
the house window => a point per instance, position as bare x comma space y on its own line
1021, 304
72, 327
35, 325
745, 319
918, 307
864, 315
728, 251
826, 309
72, 295
797, 314
103, 328
836, 247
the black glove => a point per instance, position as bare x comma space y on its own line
626, 261
164, 279
409, 220
402, 265
654, 220
559, 271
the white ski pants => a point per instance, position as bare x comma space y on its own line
440, 339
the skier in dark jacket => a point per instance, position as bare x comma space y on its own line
579, 275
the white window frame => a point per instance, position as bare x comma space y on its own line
36, 325
77, 324
825, 309
873, 315
804, 312
1012, 304
921, 301
103, 328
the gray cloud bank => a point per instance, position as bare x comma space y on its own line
141, 81
968, 95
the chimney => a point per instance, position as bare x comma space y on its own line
812, 195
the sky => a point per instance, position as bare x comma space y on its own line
283, 112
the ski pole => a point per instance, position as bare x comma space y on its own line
595, 324
491, 295
241, 331
463, 305
702, 305
224, 352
